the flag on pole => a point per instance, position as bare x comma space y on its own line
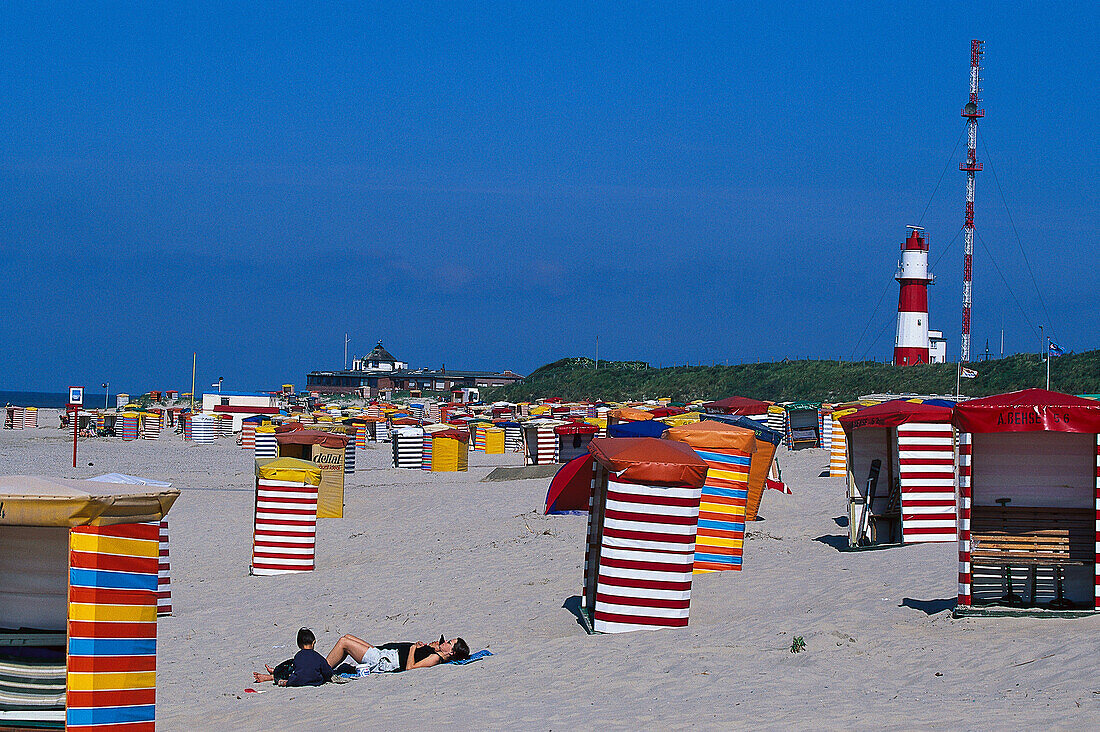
1055, 349
968, 373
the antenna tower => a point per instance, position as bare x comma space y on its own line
971, 166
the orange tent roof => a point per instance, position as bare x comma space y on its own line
712, 434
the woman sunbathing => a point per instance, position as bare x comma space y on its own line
389, 657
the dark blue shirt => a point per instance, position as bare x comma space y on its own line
310, 669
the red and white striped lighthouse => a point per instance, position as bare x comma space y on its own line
911, 343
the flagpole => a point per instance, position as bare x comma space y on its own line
194, 360
1048, 364
958, 380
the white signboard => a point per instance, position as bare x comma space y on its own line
76, 396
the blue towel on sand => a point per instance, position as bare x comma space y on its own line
473, 657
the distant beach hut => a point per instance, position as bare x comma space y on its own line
79, 566
267, 447
573, 439
203, 428
30, 418
150, 425
803, 425
248, 432
1029, 491
641, 534
349, 453
754, 409
727, 451
225, 424
777, 418
326, 449
408, 447
513, 436
494, 441
901, 476
540, 444
127, 425
449, 451
284, 532
825, 426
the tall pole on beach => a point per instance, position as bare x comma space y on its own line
1048, 364
958, 380
971, 166
194, 360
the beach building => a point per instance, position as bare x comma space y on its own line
79, 565
240, 399
1029, 492
641, 534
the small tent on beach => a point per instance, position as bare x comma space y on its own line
571, 487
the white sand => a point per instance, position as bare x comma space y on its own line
420, 554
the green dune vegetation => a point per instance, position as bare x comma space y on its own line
578, 379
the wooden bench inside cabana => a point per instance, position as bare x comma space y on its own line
1031, 538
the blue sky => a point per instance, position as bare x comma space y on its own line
495, 187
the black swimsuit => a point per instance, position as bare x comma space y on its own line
403, 653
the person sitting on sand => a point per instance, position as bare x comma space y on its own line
389, 657
307, 668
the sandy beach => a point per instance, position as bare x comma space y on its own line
419, 554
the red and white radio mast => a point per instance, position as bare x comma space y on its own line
971, 166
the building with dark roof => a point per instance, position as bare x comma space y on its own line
380, 373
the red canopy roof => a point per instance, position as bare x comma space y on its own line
893, 413
650, 461
667, 412
459, 435
312, 437
737, 405
236, 409
576, 428
1030, 410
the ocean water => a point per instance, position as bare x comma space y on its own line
47, 400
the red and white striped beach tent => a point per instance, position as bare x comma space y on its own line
1036, 452
285, 526
641, 534
540, 443
914, 488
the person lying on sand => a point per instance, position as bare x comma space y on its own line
389, 657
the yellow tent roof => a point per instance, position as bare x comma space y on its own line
32, 500
289, 469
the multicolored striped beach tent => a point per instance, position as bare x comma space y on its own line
641, 534
79, 561
727, 451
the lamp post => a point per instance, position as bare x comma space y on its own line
106, 394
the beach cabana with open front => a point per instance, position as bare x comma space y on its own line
803, 425
573, 439
901, 474
1029, 491
641, 534
78, 602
